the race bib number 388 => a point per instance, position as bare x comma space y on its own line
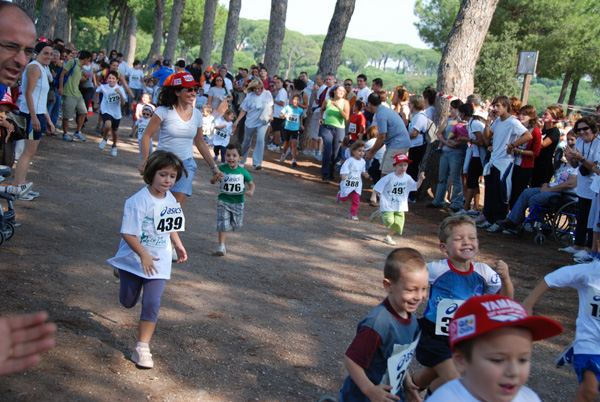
169, 218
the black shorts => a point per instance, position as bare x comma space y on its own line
474, 172
277, 124
432, 349
289, 135
114, 123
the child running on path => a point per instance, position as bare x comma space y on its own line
585, 358
393, 190
388, 336
351, 172
453, 280
222, 133
110, 109
151, 219
230, 205
140, 126
293, 115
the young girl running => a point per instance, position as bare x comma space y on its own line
293, 115
351, 184
110, 109
140, 126
151, 219
222, 134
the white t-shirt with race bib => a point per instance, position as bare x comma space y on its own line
352, 169
135, 78
221, 136
111, 101
394, 192
142, 123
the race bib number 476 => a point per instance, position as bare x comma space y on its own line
169, 218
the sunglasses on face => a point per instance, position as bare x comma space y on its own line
580, 129
193, 89
146, 114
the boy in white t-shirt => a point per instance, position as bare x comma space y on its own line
207, 123
586, 360
222, 133
140, 126
393, 190
491, 338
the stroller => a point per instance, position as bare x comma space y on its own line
7, 216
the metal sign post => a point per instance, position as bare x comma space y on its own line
527, 65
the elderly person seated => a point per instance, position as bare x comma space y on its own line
565, 179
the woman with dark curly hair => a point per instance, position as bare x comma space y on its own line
180, 128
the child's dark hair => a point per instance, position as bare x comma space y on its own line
159, 160
236, 146
450, 223
229, 111
359, 104
357, 144
403, 260
114, 74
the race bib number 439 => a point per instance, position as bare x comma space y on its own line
169, 218
445, 311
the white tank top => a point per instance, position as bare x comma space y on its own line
40, 91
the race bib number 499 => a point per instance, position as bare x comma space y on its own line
169, 218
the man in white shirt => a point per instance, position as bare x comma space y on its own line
315, 140
226, 81
363, 91
123, 66
310, 85
279, 103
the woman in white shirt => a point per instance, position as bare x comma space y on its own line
216, 94
258, 109
180, 128
33, 106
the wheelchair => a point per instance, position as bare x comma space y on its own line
7, 216
557, 219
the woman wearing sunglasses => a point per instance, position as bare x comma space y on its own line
179, 125
585, 158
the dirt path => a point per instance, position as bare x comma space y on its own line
268, 322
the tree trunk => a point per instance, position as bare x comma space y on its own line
565, 86
332, 46
131, 40
573, 94
118, 38
28, 6
233, 19
47, 22
111, 27
275, 36
208, 30
62, 29
288, 65
159, 19
176, 16
456, 71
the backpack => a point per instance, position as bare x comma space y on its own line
429, 135
55, 83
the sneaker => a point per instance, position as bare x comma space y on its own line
289, 151
337, 197
506, 224
484, 225
493, 228
569, 249
216, 158
528, 228
113, 151
282, 158
24, 188
26, 197
34, 194
258, 167
480, 219
352, 217
294, 163
319, 157
565, 358
308, 152
102, 144
583, 259
580, 253
221, 250
511, 231
67, 137
142, 357
474, 214
388, 240
78, 136
375, 215
460, 212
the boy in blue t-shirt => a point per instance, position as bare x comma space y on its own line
230, 205
388, 336
293, 115
453, 280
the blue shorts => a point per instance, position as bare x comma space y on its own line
432, 349
583, 363
34, 135
184, 185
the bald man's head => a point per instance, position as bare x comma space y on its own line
17, 41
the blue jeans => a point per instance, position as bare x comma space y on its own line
259, 148
55, 108
529, 198
332, 140
451, 164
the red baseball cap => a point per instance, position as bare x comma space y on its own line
7, 100
401, 158
482, 314
185, 80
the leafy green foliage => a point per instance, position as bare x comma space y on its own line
497, 65
436, 18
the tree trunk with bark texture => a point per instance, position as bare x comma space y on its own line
63, 23
331, 50
233, 19
208, 30
565, 86
47, 22
131, 40
456, 71
118, 37
159, 19
573, 94
275, 36
28, 6
176, 16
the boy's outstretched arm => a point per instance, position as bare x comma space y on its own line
375, 393
421, 179
251, 187
534, 296
507, 288
374, 196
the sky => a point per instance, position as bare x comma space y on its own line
392, 20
